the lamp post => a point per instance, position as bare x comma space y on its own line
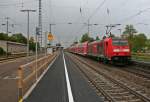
46, 43
90, 24
36, 50
7, 22
50, 30
50, 27
7, 25
28, 26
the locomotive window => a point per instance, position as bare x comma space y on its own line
120, 42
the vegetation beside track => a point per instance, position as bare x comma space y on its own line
141, 56
2, 52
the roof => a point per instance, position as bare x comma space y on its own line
97, 41
16, 43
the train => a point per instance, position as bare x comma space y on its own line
109, 50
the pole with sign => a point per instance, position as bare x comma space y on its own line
50, 38
37, 33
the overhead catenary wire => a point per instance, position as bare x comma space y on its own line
94, 12
97, 9
20, 4
134, 15
81, 11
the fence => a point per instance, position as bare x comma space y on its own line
29, 73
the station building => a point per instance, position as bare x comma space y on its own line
13, 47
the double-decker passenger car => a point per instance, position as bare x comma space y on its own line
83, 48
114, 50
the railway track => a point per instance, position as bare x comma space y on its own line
141, 72
10, 70
5, 73
136, 75
11, 57
141, 64
111, 89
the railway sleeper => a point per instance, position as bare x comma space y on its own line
133, 100
122, 93
129, 97
125, 98
102, 84
116, 88
115, 91
130, 101
105, 86
117, 98
137, 89
110, 89
142, 91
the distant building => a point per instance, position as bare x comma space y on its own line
13, 47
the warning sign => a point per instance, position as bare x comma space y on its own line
50, 36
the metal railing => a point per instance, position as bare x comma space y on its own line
30, 72
13, 56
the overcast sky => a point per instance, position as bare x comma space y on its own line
61, 12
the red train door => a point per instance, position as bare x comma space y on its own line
106, 49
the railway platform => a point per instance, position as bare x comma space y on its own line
63, 82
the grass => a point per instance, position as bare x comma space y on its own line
141, 56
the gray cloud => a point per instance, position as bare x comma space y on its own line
61, 12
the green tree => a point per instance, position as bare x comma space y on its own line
18, 38
130, 31
148, 44
3, 36
86, 37
2, 52
32, 44
129, 34
31, 39
139, 42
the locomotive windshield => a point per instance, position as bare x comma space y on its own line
120, 42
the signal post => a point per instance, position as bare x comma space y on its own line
50, 38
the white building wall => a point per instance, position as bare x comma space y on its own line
3, 44
13, 47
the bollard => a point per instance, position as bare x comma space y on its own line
20, 85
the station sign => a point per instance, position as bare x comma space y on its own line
50, 37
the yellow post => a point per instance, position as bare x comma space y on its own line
20, 85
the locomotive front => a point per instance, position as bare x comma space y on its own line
120, 51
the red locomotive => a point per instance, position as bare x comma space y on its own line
114, 50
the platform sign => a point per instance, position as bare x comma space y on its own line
49, 50
50, 37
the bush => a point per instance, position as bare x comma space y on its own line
2, 52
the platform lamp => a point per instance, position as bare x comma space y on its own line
28, 15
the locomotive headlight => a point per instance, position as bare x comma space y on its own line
126, 50
116, 50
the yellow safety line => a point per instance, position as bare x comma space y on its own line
21, 100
